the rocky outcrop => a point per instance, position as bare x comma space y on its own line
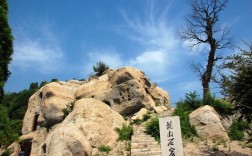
126, 90
98, 103
90, 125
140, 115
45, 106
208, 124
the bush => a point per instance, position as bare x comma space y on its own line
184, 108
152, 128
125, 132
186, 129
104, 149
221, 106
192, 102
236, 131
99, 68
68, 109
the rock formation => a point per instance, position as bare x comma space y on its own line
97, 105
208, 124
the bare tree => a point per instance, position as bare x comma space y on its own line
202, 28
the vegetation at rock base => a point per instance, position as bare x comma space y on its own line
99, 68
236, 131
125, 132
184, 108
152, 128
104, 149
221, 106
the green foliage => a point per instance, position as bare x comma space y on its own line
238, 83
34, 85
222, 106
99, 68
43, 83
186, 129
54, 80
184, 108
17, 103
236, 131
104, 149
6, 153
125, 132
68, 109
152, 128
8, 131
6, 45
192, 100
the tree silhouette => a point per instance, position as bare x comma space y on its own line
202, 28
99, 68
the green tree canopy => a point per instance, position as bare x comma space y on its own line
6, 45
238, 83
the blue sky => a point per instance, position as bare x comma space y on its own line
63, 39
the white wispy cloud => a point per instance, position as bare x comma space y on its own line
160, 48
40, 53
108, 56
154, 63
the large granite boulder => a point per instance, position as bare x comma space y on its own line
208, 123
99, 101
126, 90
45, 106
90, 125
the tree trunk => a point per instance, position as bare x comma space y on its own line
206, 77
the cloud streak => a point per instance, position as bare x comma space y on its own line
160, 49
41, 53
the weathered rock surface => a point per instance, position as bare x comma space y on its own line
90, 125
140, 115
126, 90
160, 109
48, 103
99, 101
208, 124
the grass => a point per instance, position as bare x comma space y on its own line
104, 149
152, 128
125, 132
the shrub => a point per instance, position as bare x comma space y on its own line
236, 131
68, 109
104, 149
184, 108
99, 68
221, 106
152, 128
186, 129
192, 100
125, 132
